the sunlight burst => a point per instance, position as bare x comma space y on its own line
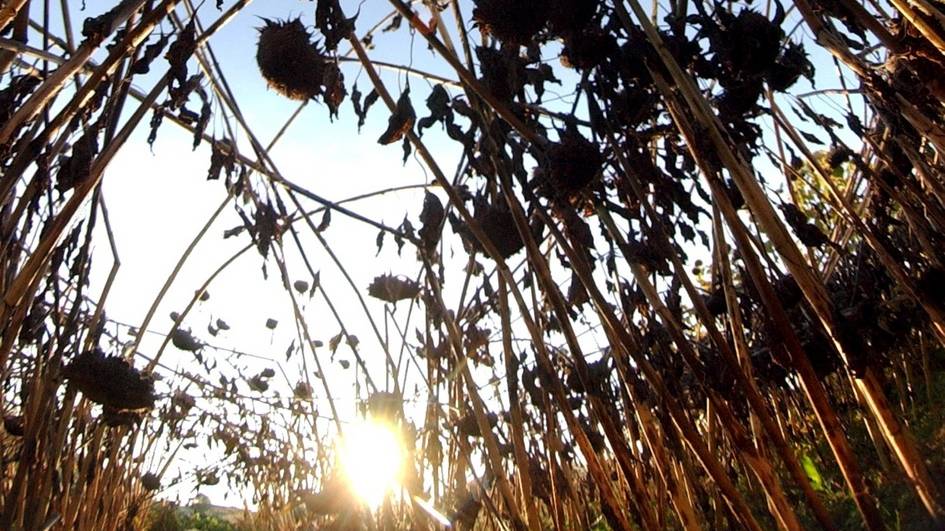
372, 457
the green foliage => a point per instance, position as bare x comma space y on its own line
811, 193
900, 509
206, 522
170, 517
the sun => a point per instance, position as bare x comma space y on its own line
372, 455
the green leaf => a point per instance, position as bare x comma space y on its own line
817, 482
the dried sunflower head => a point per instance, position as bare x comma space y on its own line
499, 225
568, 16
573, 164
586, 49
749, 43
790, 66
389, 288
150, 481
291, 63
110, 381
514, 22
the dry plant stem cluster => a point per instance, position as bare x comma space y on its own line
676, 423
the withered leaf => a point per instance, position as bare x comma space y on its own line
185, 340
400, 121
302, 391
330, 21
289, 351
353, 341
325, 222
229, 233
156, 120
360, 109
334, 342
334, 83
810, 138
432, 219
407, 148
394, 23
222, 158
538, 76
204, 119
95, 29
76, 168
264, 228
356, 104
143, 64
380, 241
439, 104
180, 51
258, 384
187, 116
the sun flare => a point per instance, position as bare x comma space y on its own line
372, 457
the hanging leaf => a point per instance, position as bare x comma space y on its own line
289, 351
222, 158
76, 168
380, 241
185, 340
394, 24
180, 51
302, 391
334, 342
407, 148
95, 29
258, 384
204, 119
235, 231
439, 104
432, 219
330, 20
400, 121
151, 51
325, 222
360, 109
264, 227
